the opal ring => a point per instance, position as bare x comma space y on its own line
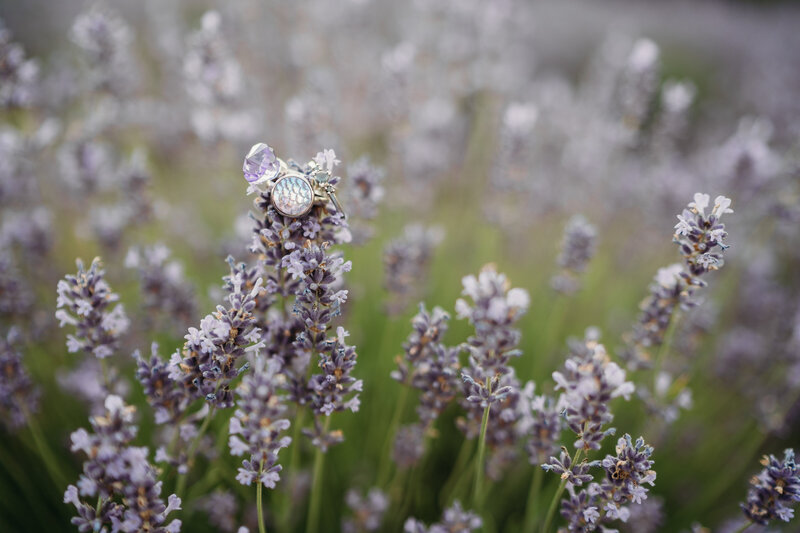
293, 189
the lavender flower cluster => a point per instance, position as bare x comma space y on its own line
119, 477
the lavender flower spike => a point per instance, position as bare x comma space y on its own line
368, 511
256, 426
775, 490
590, 380
454, 520
117, 478
18, 395
208, 361
84, 301
577, 249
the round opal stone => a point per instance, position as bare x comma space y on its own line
292, 196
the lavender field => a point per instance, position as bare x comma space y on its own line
438, 266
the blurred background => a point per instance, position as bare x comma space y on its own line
470, 132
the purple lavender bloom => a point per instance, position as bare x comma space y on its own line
209, 360
540, 423
429, 366
639, 83
364, 194
19, 76
409, 445
775, 490
17, 300
221, 507
165, 396
116, 472
367, 511
700, 238
576, 474
628, 471
454, 520
105, 40
406, 261
84, 301
19, 398
590, 381
164, 287
489, 381
603, 503
577, 248
699, 235
256, 426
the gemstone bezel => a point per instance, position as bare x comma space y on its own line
279, 191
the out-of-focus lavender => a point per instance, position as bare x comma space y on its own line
454, 520
406, 261
19, 396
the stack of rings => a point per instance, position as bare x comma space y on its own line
293, 190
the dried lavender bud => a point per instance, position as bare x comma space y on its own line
209, 360
84, 301
165, 290
454, 520
19, 77
19, 398
775, 490
116, 472
577, 248
406, 261
367, 511
256, 426
105, 40
589, 381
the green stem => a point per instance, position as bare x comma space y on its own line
664, 349
44, 451
386, 456
312, 525
531, 509
477, 493
181, 486
294, 466
744, 527
551, 511
457, 473
259, 487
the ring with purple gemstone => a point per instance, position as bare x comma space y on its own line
293, 189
